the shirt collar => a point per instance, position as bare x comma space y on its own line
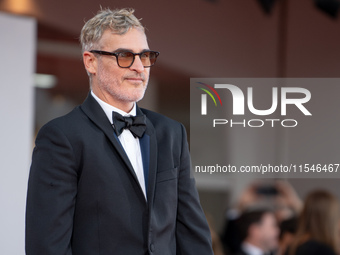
108, 109
251, 249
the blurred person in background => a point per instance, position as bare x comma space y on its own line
216, 242
277, 195
258, 231
318, 226
287, 234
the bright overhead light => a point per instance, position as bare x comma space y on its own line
44, 81
26, 7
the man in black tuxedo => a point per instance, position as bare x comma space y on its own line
109, 177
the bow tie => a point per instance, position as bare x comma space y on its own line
136, 125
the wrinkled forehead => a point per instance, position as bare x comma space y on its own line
134, 39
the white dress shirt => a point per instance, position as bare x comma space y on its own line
129, 142
251, 249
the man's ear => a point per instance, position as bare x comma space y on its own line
90, 62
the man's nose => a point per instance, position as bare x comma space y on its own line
137, 65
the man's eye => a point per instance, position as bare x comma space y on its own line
145, 55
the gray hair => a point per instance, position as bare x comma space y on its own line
118, 20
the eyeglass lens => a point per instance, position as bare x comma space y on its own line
147, 58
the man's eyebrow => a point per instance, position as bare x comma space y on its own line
125, 49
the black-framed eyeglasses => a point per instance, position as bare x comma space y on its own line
125, 59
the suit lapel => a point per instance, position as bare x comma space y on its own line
145, 149
149, 153
93, 110
148, 143
152, 168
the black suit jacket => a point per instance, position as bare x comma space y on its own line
84, 198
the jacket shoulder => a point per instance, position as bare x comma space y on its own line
66, 122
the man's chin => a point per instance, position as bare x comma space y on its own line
139, 98
135, 97
138, 93
132, 94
